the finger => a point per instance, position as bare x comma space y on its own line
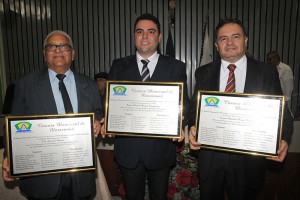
102, 121
192, 138
194, 147
102, 131
276, 159
280, 157
96, 132
182, 136
193, 131
97, 128
5, 170
282, 152
96, 123
5, 176
283, 147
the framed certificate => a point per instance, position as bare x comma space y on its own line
243, 123
144, 109
45, 144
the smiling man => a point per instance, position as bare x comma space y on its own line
38, 93
151, 157
242, 176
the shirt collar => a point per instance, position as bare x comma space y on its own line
239, 64
52, 74
279, 66
152, 57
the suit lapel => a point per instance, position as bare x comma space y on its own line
82, 94
214, 72
133, 69
160, 69
44, 92
251, 77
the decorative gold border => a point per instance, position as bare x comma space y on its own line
216, 93
181, 88
8, 119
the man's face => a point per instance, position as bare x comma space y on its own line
101, 83
231, 42
60, 59
172, 4
146, 37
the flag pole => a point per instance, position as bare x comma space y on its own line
203, 38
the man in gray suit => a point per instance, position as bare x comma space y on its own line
139, 157
38, 93
241, 175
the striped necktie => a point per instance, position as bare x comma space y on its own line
230, 87
145, 71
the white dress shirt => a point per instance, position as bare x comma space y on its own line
152, 62
70, 84
286, 80
239, 73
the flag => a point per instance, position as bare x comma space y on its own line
206, 54
170, 50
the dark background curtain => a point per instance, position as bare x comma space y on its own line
102, 30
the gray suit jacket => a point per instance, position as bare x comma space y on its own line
33, 96
261, 78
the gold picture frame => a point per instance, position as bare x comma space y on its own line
48, 144
239, 123
144, 109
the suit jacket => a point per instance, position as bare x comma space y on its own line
261, 78
155, 153
33, 96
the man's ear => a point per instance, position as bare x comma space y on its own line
217, 47
44, 54
73, 54
160, 36
246, 41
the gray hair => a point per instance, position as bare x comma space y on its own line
61, 33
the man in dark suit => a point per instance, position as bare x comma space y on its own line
101, 78
241, 175
38, 93
140, 157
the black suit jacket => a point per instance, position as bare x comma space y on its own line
261, 78
155, 153
33, 96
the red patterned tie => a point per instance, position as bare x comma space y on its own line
230, 87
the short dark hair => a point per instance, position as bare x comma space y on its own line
101, 75
147, 16
222, 22
271, 55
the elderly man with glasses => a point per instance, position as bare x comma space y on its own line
41, 93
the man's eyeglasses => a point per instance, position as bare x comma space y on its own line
60, 47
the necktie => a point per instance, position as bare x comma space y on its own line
145, 71
64, 93
230, 87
